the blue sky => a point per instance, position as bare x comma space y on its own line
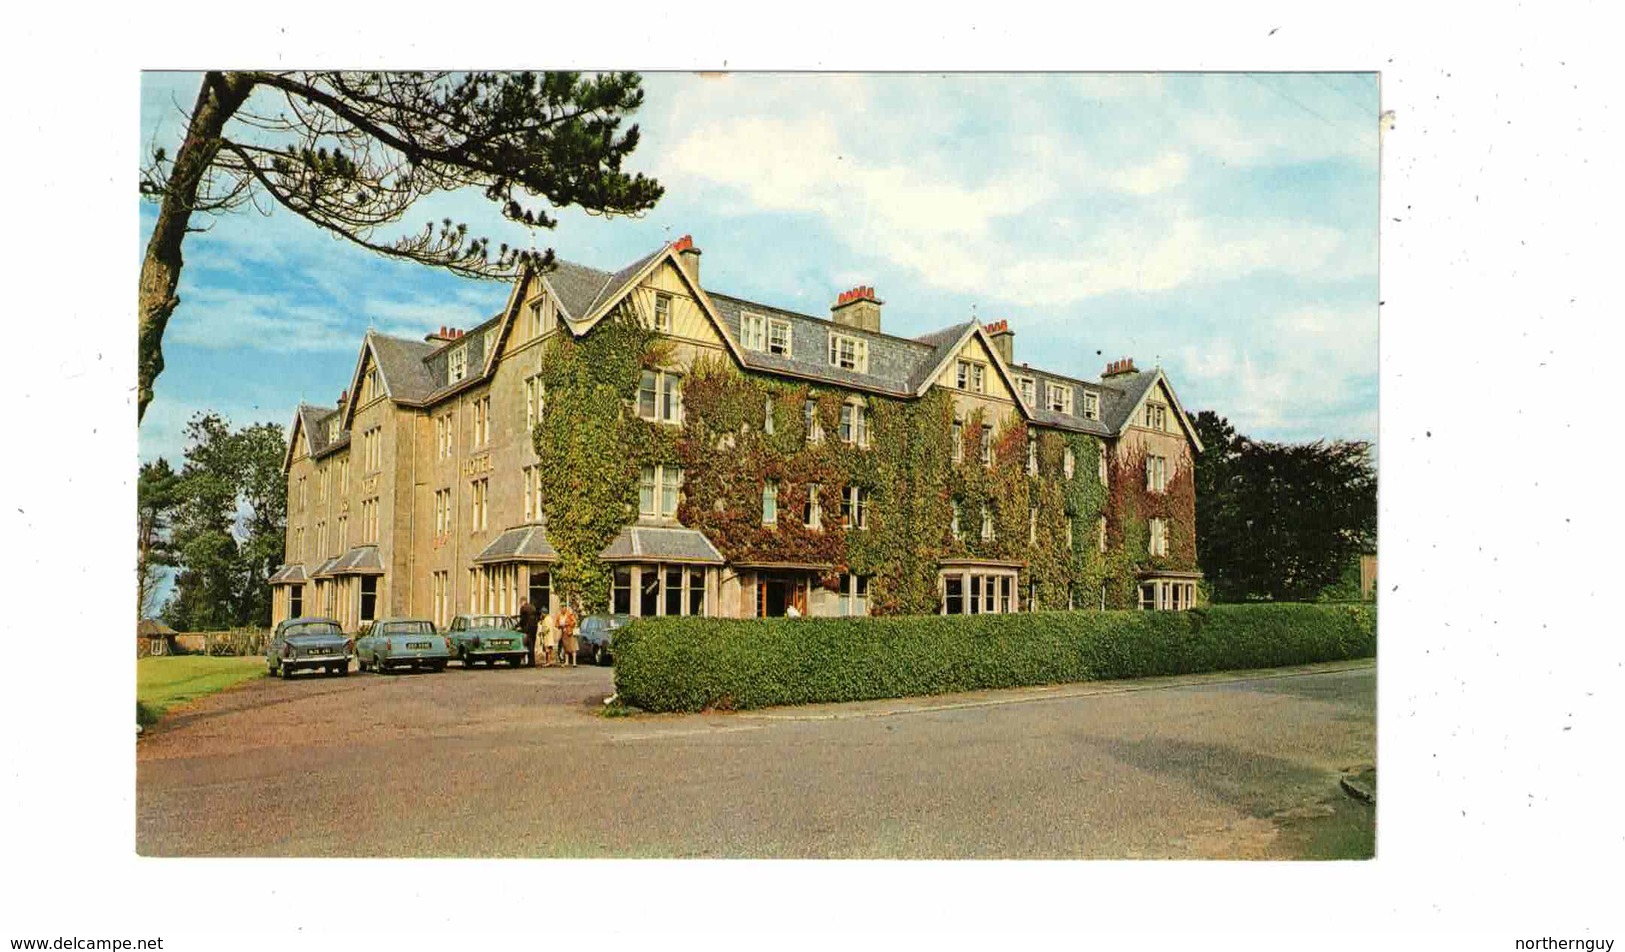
1223, 226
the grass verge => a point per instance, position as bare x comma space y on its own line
167, 682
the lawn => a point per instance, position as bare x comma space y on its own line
163, 683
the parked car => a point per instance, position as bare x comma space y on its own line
309, 642
597, 632
402, 643
488, 638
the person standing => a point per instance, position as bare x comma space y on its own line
527, 627
567, 635
550, 638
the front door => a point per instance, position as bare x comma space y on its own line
776, 593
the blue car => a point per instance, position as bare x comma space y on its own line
402, 643
308, 642
597, 634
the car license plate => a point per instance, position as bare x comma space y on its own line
417, 644
501, 642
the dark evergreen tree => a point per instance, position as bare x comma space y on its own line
353, 152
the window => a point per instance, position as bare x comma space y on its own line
541, 590
1028, 390
959, 440
1032, 526
442, 511
321, 538
812, 516
987, 446
1148, 596
541, 317
533, 493
696, 592
987, 523
344, 477
658, 490
767, 416
649, 593
1060, 397
660, 396
1091, 405
299, 544
815, 430
1156, 473
369, 597
753, 331
621, 590
482, 422
1100, 531
853, 598
1156, 416
1158, 544
535, 399
663, 313
848, 353
333, 429
441, 586
1069, 463
1032, 453
457, 364
969, 376
344, 533
479, 497
855, 508
1105, 470
369, 520
673, 602
978, 593
444, 428
855, 424
953, 524
296, 601
373, 386
770, 502
321, 487
372, 449
299, 496
778, 337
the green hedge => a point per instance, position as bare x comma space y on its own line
692, 664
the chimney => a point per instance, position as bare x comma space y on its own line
689, 256
343, 397
1004, 339
442, 337
857, 308
1116, 367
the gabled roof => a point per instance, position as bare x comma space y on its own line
1135, 388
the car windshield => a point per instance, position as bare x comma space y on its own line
313, 628
406, 628
490, 621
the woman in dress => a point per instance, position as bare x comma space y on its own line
550, 638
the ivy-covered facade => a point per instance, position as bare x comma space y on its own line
642, 444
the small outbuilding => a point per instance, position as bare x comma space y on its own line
153, 637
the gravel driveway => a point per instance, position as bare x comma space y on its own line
518, 762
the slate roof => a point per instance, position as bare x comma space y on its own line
526, 543
892, 360
660, 544
313, 420
360, 560
401, 362
326, 569
288, 575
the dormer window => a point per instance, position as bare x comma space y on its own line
333, 430
971, 376
457, 364
1091, 405
1060, 397
753, 331
848, 353
1029, 392
778, 337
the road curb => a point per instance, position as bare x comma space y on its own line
1051, 692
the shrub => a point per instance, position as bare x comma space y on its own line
691, 664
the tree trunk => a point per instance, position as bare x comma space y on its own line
218, 99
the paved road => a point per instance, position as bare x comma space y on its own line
510, 762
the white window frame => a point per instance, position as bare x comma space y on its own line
1029, 390
1091, 405
1032, 453
857, 361
479, 495
662, 315
970, 376
667, 404
954, 520
457, 364
855, 424
987, 446
655, 482
770, 502
813, 518
753, 331
815, 426
1069, 463
767, 415
1052, 390
535, 402
849, 601
855, 508
775, 327
958, 449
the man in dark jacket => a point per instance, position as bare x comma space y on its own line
528, 617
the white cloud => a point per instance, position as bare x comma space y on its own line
218, 317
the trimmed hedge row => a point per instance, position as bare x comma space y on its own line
692, 664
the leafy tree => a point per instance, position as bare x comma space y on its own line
157, 494
1280, 521
229, 524
353, 152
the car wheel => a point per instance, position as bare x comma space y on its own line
285, 671
344, 670
438, 666
598, 654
